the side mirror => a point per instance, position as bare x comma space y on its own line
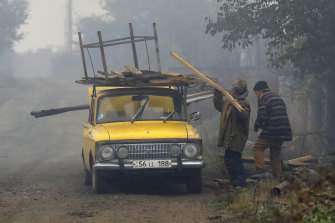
195, 116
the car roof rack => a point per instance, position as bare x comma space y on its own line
133, 76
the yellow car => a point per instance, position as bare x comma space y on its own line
140, 130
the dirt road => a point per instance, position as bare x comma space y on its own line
41, 174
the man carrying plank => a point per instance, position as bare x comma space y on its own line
234, 123
234, 128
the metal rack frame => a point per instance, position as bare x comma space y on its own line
132, 39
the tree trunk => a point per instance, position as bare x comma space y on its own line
331, 114
315, 115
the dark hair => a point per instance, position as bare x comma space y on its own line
261, 85
241, 87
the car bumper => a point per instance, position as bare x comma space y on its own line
185, 164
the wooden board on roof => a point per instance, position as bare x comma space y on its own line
132, 77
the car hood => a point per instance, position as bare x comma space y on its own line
146, 130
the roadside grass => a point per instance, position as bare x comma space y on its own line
255, 203
307, 202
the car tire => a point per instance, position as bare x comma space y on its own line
88, 178
88, 175
98, 183
194, 183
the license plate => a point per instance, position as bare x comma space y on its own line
152, 164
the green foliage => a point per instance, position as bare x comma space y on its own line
300, 32
13, 13
273, 213
317, 202
314, 203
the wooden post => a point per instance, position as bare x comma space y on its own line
205, 78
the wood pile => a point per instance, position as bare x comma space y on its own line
135, 77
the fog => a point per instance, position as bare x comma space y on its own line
45, 78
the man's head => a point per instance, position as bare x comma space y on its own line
239, 87
260, 88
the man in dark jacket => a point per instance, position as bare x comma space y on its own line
273, 120
234, 128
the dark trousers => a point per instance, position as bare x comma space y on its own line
234, 166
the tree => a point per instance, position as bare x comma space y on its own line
13, 13
299, 33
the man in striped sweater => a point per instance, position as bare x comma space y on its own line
272, 119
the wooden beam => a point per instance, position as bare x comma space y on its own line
120, 75
55, 111
134, 70
205, 78
300, 160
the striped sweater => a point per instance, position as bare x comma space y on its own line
272, 118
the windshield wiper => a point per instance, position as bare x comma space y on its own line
169, 116
140, 110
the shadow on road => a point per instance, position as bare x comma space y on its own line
146, 185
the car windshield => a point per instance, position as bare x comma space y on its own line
140, 107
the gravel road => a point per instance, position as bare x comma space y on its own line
41, 172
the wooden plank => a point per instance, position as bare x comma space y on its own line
133, 70
226, 181
301, 159
205, 78
198, 98
200, 94
295, 163
172, 74
248, 159
120, 75
109, 76
55, 111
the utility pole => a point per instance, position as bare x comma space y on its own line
68, 29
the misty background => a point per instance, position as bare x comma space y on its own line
36, 74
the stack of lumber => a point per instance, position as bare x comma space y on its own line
133, 77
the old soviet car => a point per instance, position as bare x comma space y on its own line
139, 130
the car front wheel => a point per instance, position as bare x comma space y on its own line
98, 183
194, 183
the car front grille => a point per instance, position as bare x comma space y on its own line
149, 151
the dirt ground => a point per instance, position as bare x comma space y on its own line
41, 172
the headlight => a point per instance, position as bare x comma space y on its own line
122, 152
175, 150
107, 153
190, 150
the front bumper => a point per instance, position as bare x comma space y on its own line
184, 164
